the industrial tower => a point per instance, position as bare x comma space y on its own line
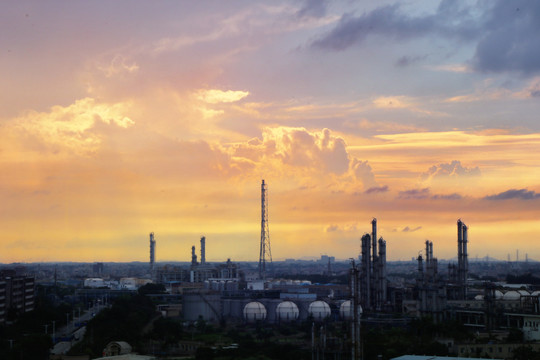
265, 251
373, 282
152, 252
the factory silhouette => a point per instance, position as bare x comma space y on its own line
366, 292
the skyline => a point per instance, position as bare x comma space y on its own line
166, 117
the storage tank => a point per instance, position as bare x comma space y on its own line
254, 311
511, 295
319, 310
287, 311
346, 310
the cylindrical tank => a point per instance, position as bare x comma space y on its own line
287, 311
319, 310
254, 311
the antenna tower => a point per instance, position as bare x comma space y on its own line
265, 252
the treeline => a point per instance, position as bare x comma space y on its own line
523, 279
123, 321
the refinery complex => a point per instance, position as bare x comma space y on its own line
372, 292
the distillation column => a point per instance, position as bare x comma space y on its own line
203, 250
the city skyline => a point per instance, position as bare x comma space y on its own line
165, 118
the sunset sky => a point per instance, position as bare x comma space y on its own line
119, 118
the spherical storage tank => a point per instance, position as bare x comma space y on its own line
511, 295
254, 311
287, 311
319, 310
346, 310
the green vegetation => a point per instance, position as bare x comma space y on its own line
124, 321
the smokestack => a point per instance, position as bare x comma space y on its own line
203, 250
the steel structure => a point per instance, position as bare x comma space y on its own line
265, 254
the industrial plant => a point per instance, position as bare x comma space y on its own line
340, 301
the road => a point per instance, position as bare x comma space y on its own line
75, 333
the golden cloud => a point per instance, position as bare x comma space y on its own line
215, 96
70, 126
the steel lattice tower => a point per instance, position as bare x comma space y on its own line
265, 251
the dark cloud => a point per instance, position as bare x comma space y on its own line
449, 20
521, 194
454, 196
312, 8
377, 189
405, 61
408, 229
414, 194
506, 33
512, 37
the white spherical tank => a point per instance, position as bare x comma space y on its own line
254, 311
511, 295
287, 311
346, 310
319, 310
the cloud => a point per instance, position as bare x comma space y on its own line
401, 102
405, 61
341, 228
298, 147
305, 153
512, 37
118, 64
414, 194
450, 20
363, 172
71, 126
506, 33
408, 229
520, 194
377, 189
215, 96
453, 196
312, 8
452, 169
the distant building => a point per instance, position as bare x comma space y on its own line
97, 269
16, 293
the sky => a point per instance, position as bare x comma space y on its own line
121, 118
